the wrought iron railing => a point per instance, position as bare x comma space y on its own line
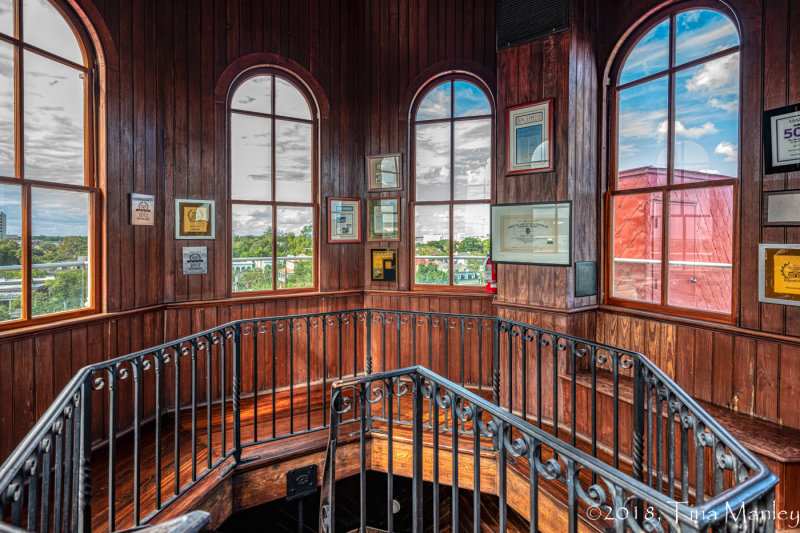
147, 427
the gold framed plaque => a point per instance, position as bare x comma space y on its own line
779, 273
194, 219
536, 233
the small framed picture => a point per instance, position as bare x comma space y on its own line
384, 264
530, 133
384, 219
194, 219
781, 134
537, 233
383, 172
344, 220
779, 273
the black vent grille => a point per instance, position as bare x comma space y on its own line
520, 21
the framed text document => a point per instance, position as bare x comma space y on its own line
782, 139
537, 233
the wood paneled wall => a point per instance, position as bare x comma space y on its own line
406, 43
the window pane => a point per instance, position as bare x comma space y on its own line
707, 121
701, 248
295, 247
470, 243
289, 101
251, 247
642, 143
7, 143
47, 29
472, 142
432, 153
54, 110
650, 55
60, 250
701, 32
470, 100
292, 161
10, 253
7, 17
637, 247
251, 150
436, 104
432, 244
254, 95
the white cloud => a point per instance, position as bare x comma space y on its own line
730, 106
730, 151
710, 171
640, 125
689, 133
720, 76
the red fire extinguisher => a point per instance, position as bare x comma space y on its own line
490, 271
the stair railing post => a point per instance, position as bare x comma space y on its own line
496, 361
237, 380
85, 489
368, 366
638, 428
417, 459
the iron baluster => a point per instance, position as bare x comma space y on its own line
390, 456
495, 361
84, 500
254, 332
308, 375
237, 372
210, 342
274, 373
136, 366
112, 445
193, 354
417, 459
159, 355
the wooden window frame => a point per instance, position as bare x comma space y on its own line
429, 86
670, 73
91, 180
273, 203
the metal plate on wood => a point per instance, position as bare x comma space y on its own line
585, 278
301, 482
520, 21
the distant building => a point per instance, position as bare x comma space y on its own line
3, 234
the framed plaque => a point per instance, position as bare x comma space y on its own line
384, 219
384, 264
782, 139
536, 233
781, 208
779, 273
529, 146
194, 219
344, 220
195, 260
143, 209
383, 172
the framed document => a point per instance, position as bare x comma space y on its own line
384, 219
383, 172
194, 219
344, 220
534, 233
529, 143
781, 208
384, 264
779, 273
782, 139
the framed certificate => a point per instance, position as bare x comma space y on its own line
384, 264
383, 172
529, 143
536, 233
344, 220
194, 219
782, 139
779, 273
384, 219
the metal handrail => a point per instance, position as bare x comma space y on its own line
48, 474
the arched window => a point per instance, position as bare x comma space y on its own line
675, 166
273, 140
452, 159
49, 196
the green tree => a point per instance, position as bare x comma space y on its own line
10, 252
253, 280
429, 274
65, 292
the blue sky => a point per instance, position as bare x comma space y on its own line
706, 98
